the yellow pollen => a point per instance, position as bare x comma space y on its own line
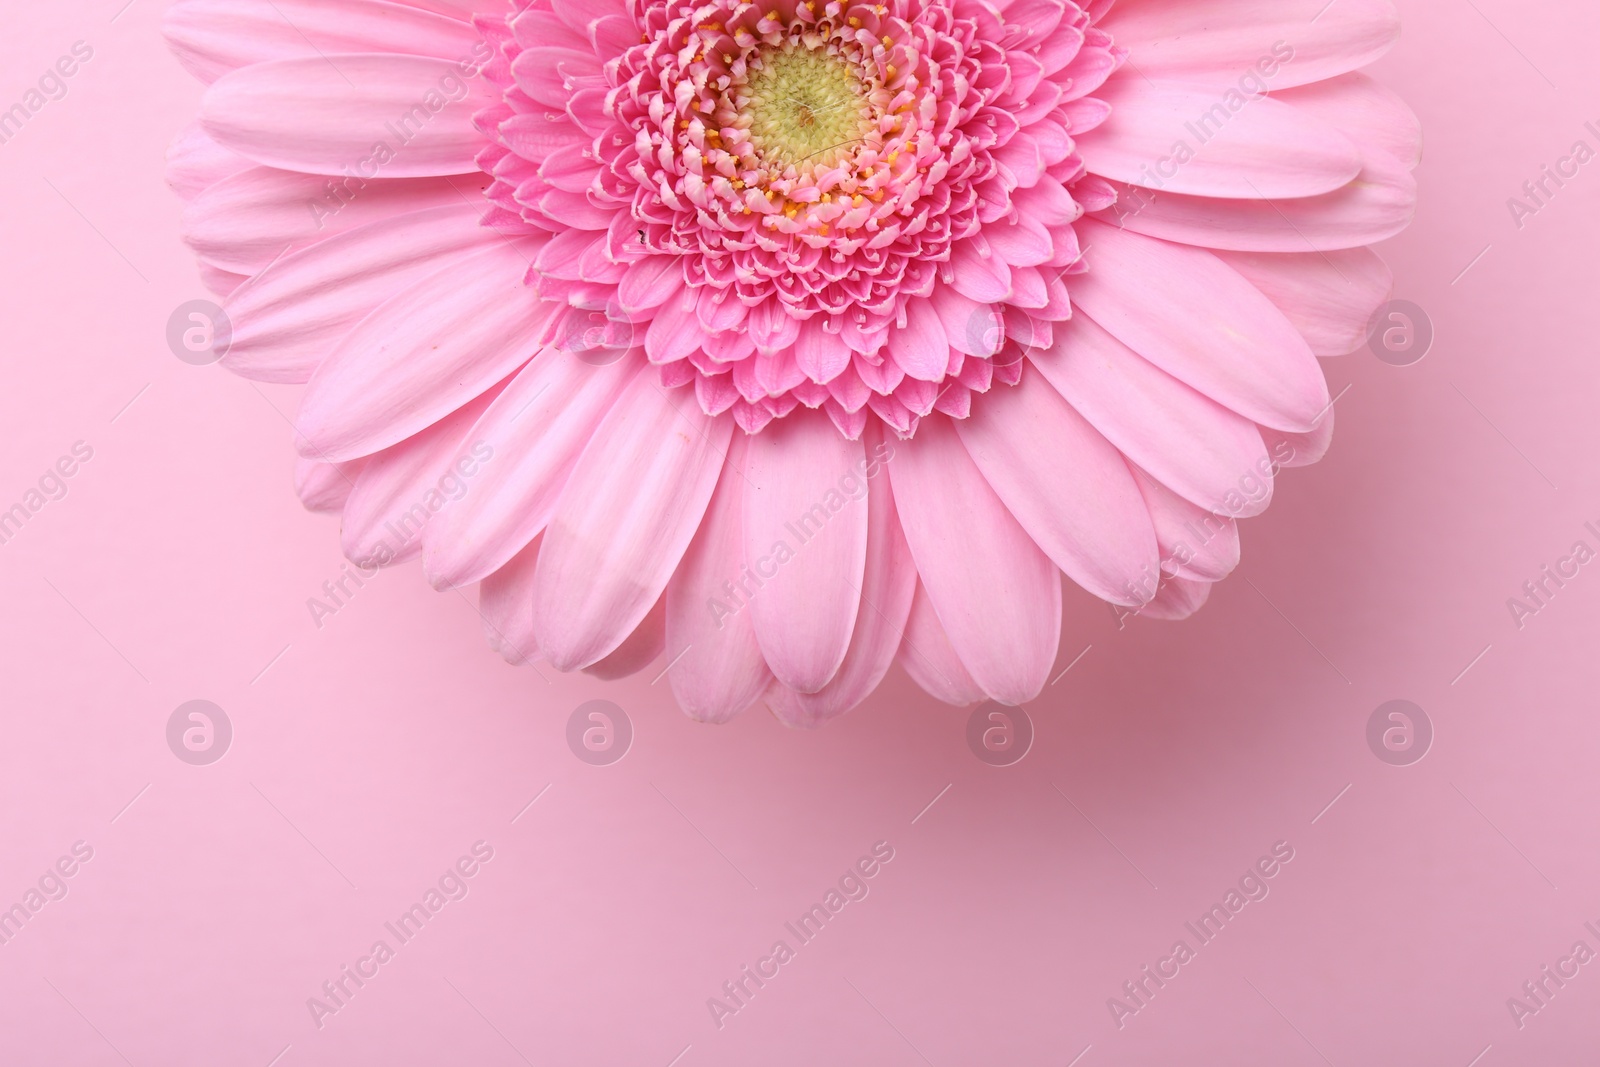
854, 22
887, 43
772, 16
823, 229
806, 107
889, 70
791, 211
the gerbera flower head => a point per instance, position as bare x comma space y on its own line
790, 338
804, 201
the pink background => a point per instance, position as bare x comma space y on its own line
377, 749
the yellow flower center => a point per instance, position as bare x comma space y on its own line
806, 107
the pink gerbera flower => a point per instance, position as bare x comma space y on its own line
791, 337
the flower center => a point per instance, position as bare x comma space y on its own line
806, 106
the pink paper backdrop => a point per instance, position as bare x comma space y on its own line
369, 755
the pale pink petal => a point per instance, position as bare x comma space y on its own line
245, 221
536, 430
1300, 449
640, 649
1368, 113
1281, 42
1067, 486
461, 9
1177, 599
921, 348
1376, 206
1195, 543
889, 580
505, 600
1330, 297
716, 666
1261, 149
1188, 441
195, 162
325, 486
624, 520
367, 115
431, 348
290, 316
805, 541
403, 487
997, 595
222, 283
927, 656
1209, 327
213, 37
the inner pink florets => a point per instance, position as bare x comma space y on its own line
851, 237
761, 195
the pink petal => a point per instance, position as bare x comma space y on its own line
1066, 486
286, 319
1195, 543
717, 670
1330, 297
212, 37
195, 162
505, 600
997, 595
431, 348
536, 430
927, 656
1209, 327
247, 220
1370, 114
1300, 449
325, 486
368, 115
1177, 599
1219, 41
889, 580
624, 520
639, 650
546, 74
1188, 441
921, 349
403, 487
970, 327
805, 541
1373, 208
978, 273
1242, 148
578, 14
649, 283
821, 354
